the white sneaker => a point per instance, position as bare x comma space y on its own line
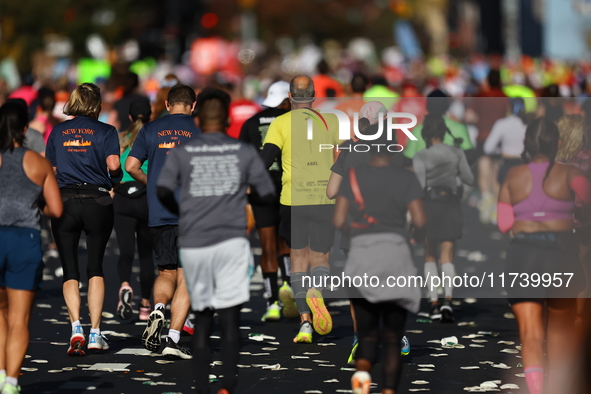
76, 342
97, 342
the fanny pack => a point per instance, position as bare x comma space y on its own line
84, 190
133, 189
565, 241
440, 194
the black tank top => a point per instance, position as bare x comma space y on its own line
19, 195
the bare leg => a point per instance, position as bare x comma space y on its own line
72, 297
20, 303
531, 332
268, 236
431, 256
164, 286
3, 326
181, 302
96, 299
562, 342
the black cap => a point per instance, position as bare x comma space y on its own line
140, 107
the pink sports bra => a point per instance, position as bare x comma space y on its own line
538, 207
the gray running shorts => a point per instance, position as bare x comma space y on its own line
218, 276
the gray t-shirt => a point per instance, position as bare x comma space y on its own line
34, 141
213, 172
441, 165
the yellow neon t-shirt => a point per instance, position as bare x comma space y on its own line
306, 162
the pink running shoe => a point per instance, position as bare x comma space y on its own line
145, 312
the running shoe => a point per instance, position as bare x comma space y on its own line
435, 313
273, 312
447, 312
76, 342
188, 327
405, 346
97, 342
321, 319
124, 309
305, 333
351, 359
151, 336
2, 379
174, 350
223, 391
361, 382
10, 389
145, 312
290, 310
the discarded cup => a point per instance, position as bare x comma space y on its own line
449, 341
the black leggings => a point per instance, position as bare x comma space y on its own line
94, 216
393, 318
229, 322
131, 219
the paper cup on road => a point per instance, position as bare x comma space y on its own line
449, 341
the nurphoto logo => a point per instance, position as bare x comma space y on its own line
345, 129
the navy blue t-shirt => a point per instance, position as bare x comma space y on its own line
153, 143
79, 148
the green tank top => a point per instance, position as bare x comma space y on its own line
126, 176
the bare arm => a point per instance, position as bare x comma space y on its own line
134, 167
51, 194
114, 166
334, 182
340, 212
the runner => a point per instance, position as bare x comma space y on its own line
368, 123
536, 203
305, 216
574, 149
508, 134
85, 154
24, 174
376, 196
437, 168
213, 173
153, 143
131, 222
437, 104
266, 216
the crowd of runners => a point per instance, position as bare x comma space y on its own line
184, 177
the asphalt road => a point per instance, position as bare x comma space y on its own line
319, 367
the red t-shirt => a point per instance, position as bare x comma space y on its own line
240, 111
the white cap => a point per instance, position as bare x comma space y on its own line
276, 94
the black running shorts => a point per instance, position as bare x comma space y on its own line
165, 252
308, 225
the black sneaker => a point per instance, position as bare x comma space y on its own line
174, 350
435, 313
151, 336
447, 312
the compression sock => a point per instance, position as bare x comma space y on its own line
299, 291
319, 277
175, 335
284, 263
534, 377
431, 271
449, 270
271, 288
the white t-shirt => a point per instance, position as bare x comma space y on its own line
509, 133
